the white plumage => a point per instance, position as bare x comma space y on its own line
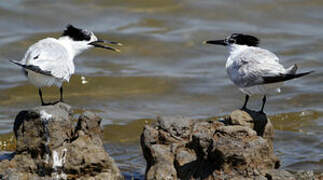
247, 65
49, 55
254, 70
50, 61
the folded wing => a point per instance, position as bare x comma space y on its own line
48, 57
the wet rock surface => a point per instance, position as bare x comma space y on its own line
237, 147
51, 145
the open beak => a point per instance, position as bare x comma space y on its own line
216, 42
98, 45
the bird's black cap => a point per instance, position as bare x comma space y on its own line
243, 39
236, 38
76, 34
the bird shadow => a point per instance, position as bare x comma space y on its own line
259, 119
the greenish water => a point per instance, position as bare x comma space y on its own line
164, 69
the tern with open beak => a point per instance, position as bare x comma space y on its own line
50, 61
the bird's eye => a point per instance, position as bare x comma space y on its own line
231, 41
36, 57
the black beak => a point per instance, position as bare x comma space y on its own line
98, 45
216, 42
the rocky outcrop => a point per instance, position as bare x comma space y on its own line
237, 147
52, 145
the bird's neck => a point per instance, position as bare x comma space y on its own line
236, 48
234, 51
74, 47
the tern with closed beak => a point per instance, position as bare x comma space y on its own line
50, 61
254, 70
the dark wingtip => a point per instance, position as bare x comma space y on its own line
34, 68
283, 77
304, 73
15, 62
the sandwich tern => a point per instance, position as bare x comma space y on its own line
254, 70
50, 61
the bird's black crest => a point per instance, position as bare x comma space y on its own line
244, 39
76, 34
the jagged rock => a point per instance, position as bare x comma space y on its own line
254, 120
51, 145
276, 174
239, 147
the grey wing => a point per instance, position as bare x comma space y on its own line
50, 56
256, 63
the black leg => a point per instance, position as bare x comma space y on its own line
61, 94
245, 102
263, 104
41, 97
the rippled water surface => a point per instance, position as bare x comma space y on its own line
164, 69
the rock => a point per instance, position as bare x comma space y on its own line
254, 120
32, 127
240, 147
241, 118
276, 174
51, 145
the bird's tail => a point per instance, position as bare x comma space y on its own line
290, 74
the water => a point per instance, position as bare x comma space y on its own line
164, 69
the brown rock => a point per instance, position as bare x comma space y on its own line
183, 148
254, 120
241, 118
50, 146
164, 157
32, 127
238, 148
276, 174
